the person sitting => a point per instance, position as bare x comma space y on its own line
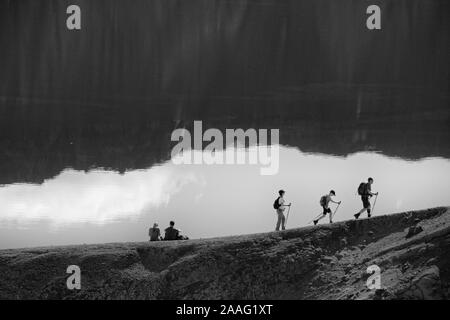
171, 233
154, 233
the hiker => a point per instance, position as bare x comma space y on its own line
154, 233
171, 233
324, 202
365, 191
279, 206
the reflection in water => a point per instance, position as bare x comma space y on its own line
38, 141
96, 196
209, 200
86, 117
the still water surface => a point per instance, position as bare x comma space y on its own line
209, 200
86, 116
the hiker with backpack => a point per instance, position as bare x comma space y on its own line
279, 206
365, 191
154, 233
324, 203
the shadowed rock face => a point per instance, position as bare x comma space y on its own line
324, 262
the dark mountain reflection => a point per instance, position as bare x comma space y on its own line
40, 140
110, 94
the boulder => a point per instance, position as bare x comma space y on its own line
425, 286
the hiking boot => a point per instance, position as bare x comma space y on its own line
368, 215
356, 215
331, 221
315, 222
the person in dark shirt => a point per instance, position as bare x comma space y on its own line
324, 203
365, 196
171, 233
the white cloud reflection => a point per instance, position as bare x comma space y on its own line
96, 196
210, 200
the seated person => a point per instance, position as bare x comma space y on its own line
154, 233
171, 233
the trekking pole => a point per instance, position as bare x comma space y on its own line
287, 216
374, 203
332, 216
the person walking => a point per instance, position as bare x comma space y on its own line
324, 203
365, 191
279, 205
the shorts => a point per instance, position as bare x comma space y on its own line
326, 210
365, 201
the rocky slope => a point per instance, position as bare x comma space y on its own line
412, 250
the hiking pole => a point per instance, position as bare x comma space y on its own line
374, 203
287, 216
332, 216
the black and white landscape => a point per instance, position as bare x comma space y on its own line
91, 93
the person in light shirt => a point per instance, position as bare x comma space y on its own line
154, 233
325, 202
280, 206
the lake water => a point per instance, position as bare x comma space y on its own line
208, 201
94, 179
86, 116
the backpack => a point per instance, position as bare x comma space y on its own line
276, 204
362, 189
323, 200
